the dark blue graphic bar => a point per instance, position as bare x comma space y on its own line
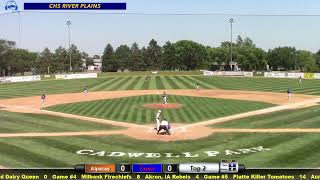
75, 6
147, 168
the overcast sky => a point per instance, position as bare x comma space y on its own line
91, 32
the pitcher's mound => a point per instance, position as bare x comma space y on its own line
163, 106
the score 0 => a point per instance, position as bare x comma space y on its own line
170, 168
123, 168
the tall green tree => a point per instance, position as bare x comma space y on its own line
44, 61
170, 57
122, 56
136, 58
108, 62
282, 57
6, 55
192, 55
76, 59
153, 56
59, 63
306, 61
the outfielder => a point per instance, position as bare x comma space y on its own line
300, 79
164, 125
43, 99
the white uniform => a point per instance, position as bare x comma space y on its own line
158, 119
164, 99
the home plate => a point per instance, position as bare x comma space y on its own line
150, 129
178, 129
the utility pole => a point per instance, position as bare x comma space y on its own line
68, 24
231, 21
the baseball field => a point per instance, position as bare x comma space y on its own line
249, 119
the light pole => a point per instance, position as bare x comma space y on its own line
68, 24
231, 21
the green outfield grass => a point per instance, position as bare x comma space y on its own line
287, 150
25, 122
158, 82
297, 118
130, 109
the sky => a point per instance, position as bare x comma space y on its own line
91, 32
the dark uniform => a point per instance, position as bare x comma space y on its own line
43, 98
165, 127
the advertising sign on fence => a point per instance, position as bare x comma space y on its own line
227, 73
20, 78
283, 75
76, 76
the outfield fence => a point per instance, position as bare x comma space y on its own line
10, 79
228, 73
273, 74
76, 76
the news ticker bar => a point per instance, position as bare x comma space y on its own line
75, 6
187, 168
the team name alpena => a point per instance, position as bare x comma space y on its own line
91, 152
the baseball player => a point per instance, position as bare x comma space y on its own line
164, 125
289, 93
86, 91
164, 98
198, 87
158, 120
43, 99
300, 79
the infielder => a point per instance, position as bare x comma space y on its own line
289, 93
164, 125
158, 119
198, 87
86, 91
43, 99
164, 98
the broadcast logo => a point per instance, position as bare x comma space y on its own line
11, 5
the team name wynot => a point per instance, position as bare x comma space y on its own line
91, 152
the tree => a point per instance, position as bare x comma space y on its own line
6, 52
76, 60
60, 61
153, 58
282, 58
317, 58
306, 61
122, 55
43, 61
108, 62
191, 54
136, 58
21, 61
169, 57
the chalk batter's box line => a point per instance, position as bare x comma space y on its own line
181, 129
